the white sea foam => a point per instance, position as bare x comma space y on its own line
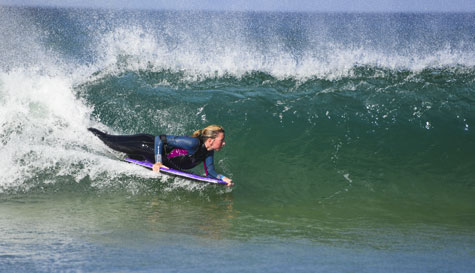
43, 134
137, 48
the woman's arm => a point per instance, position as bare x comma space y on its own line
210, 171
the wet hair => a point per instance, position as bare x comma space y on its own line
211, 131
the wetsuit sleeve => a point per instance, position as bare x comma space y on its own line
209, 167
158, 149
182, 142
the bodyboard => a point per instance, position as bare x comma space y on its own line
177, 173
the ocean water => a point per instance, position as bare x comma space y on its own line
350, 139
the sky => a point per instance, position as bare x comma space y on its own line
265, 5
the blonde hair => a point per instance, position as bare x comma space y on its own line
211, 131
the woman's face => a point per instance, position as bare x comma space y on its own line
216, 143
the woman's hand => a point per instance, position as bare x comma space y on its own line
228, 181
156, 167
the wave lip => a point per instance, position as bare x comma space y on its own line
136, 49
296, 45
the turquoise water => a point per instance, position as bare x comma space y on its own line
349, 138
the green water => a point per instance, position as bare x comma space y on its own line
192, 232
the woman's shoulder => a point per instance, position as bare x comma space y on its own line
192, 141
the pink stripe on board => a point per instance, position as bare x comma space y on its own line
206, 169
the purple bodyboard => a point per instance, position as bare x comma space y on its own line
177, 172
